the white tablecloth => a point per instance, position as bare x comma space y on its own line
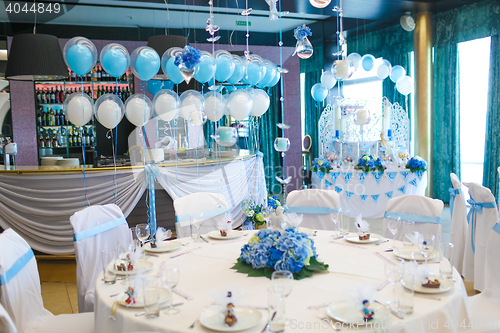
368, 196
209, 267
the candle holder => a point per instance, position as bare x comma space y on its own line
282, 145
225, 136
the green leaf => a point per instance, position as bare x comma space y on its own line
307, 271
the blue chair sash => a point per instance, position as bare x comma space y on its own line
453, 194
99, 229
206, 214
476, 207
311, 210
16, 267
496, 228
415, 217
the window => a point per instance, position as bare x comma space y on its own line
364, 85
474, 63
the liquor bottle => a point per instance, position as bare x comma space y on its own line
79, 139
42, 96
39, 116
41, 141
56, 96
99, 74
92, 139
94, 74
44, 118
87, 138
52, 98
52, 118
62, 95
48, 141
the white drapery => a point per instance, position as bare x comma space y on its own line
38, 205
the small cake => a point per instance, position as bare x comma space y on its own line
223, 233
431, 284
364, 237
230, 318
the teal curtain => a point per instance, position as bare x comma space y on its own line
268, 131
312, 68
492, 144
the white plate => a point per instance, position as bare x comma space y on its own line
141, 264
215, 234
446, 285
213, 319
355, 239
139, 301
307, 231
351, 315
165, 246
412, 253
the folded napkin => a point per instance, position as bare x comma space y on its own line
416, 239
362, 226
362, 292
293, 219
232, 294
137, 253
162, 234
225, 225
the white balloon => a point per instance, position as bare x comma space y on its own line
384, 69
215, 104
239, 104
166, 105
79, 110
328, 80
405, 85
109, 114
355, 58
191, 100
260, 103
197, 118
138, 109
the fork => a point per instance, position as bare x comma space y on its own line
195, 322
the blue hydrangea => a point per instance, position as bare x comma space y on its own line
318, 163
301, 32
190, 57
416, 164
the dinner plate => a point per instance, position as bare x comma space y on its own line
165, 246
141, 264
215, 234
412, 253
307, 231
355, 239
446, 285
139, 301
354, 315
213, 318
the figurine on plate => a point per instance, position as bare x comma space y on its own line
229, 316
363, 228
367, 311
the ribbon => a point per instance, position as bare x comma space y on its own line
377, 175
375, 197
389, 194
334, 175
152, 173
99, 229
347, 176
402, 189
338, 189
16, 267
348, 194
363, 197
419, 173
311, 210
453, 193
320, 175
415, 217
414, 182
476, 207
392, 176
405, 175
327, 184
496, 228
361, 176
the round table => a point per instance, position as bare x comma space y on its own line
208, 266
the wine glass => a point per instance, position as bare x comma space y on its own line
393, 224
394, 271
142, 230
170, 278
197, 221
266, 214
336, 218
344, 223
282, 282
426, 246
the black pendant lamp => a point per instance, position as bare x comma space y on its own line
36, 57
162, 43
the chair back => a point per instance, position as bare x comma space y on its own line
492, 268
6, 324
424, 211
95, 229
481, 218
20, 292
315, 205
458, 213
213, 206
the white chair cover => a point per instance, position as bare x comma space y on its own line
480, 221
21, 296
315, 205
95, 229
213, 205
458, 222
424, 211
6, 324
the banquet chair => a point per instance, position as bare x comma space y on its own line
424, 211
458, 222
6, 324
20, 292
95, 229
315, 205
481, 218
485, 306
213, 206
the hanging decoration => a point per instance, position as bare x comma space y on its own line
145, 63
115, 59
319, 3
80, 54
303, 48
186, 61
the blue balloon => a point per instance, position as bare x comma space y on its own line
225, 68
367, 62
205, 69
79, 59
253, 74
397, 72
319, 92
239, 71
275, 79
268, 77
147, 64
167, 85
154, 86
230, 88
173, 71
115, 62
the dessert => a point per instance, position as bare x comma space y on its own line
364, 237
125, 264
223, 233
431, 283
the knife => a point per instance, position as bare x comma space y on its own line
161, 308
203, 239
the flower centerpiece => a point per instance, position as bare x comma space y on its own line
416, 164
270, 250
253, 212
320, 164
367, 163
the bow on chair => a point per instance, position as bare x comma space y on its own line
453, 194
476, 207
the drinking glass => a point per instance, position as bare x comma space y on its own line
408, 231
151, 294
266, 214
336, 219
427, 246
445, 263
393, 224
109, 273
142, 230
394, 271
406, 293
344, 223
276, 308
169, 277
282, 281
197, 221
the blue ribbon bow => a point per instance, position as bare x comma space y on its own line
453, 193
496, 228
476, 207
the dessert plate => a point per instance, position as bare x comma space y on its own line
412, 253
139, 301
215, 234
165, 246
141, 264
446, 285
213, 318
352, 315
355, 239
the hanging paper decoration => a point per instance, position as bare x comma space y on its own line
377, 175
303, 48
186, 61
405, 175
363, 197
389, 194
414, 182
334, 175
327, 184
392, 176
347, 176
419, 174
320, 175
402, 189
349, 194
375, 197
362, 177
338, 189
